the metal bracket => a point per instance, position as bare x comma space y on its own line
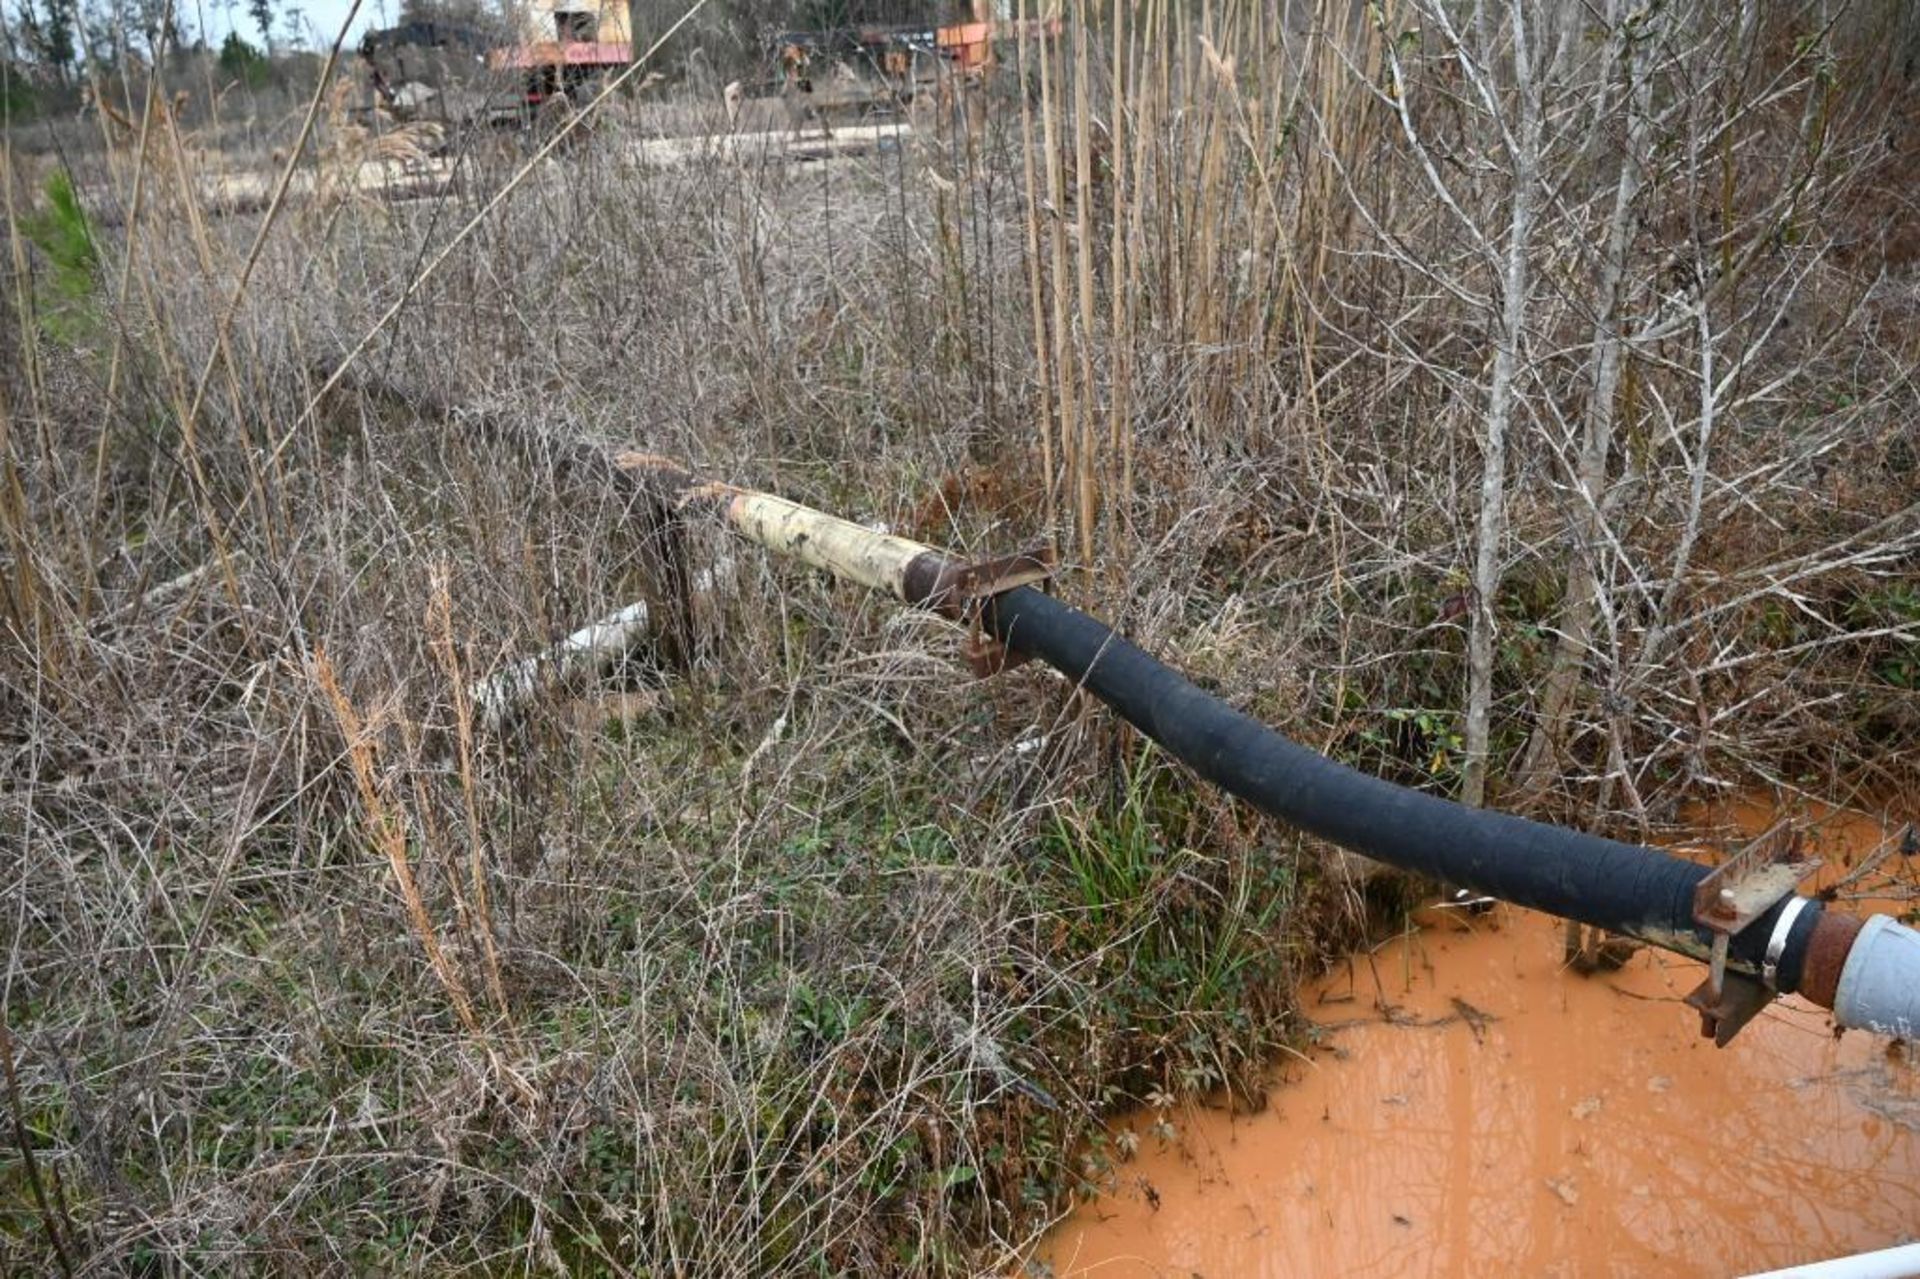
986, 656
1724, 1015
1725, 902
963, 589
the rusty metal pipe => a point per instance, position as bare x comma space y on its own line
1795, 945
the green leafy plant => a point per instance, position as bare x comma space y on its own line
1896, 607
64, 236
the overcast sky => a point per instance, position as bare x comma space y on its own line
322, 19
327, 15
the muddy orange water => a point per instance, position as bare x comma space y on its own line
1483, 1112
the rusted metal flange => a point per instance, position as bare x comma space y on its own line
1726, 901
960, 589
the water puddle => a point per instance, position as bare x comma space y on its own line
1478, 1108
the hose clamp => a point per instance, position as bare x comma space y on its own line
1777, 942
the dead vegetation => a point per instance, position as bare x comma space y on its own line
1516, 400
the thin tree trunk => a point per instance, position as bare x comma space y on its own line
1596, 449
1654, 648
1500, 401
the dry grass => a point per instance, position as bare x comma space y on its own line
786, 949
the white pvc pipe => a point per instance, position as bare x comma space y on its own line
596, 646
1880, 985
1889, 1263
593, 648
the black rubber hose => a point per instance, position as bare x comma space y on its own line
1624, 888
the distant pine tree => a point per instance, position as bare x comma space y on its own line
57, 42
261, 11
47, 39
240, 62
